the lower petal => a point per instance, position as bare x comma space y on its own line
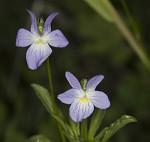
80, 111
24, 38
37, 54
57, 39
99, 99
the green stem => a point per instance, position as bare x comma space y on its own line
51, 85
128, 35
113, 16
53, 97
132, 21
84, 130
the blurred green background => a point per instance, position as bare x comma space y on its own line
96, 47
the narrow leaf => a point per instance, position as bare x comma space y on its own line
39, 138
96, 122
100, 6
46, 100
44, 96
114, 127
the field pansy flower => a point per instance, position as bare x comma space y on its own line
83, 99
40, 40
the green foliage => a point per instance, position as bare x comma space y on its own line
101, 7
107, 132
95, 123
44, 96
133, 42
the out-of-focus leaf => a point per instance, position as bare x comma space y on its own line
101, 7
105, 134
96, 122
44, 96
39, 138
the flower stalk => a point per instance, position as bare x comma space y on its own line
51, 85
84, 130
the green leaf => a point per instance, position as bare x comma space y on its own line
101, 7
46, 100
44, 96
39, 138
107, 132
96, 122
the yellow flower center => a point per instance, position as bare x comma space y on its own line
40, 42
84, 100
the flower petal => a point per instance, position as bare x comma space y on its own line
69, 96
79, 111
34, 27
99, 99
93, 82
24, 38
37, 54
57, 39
73, 81
47, 24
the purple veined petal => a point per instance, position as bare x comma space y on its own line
57, 39
93, 82
73, 81
47, 24
24, 38
99, 99
79, 111
37, 54
34, 27
69, 96
88, 109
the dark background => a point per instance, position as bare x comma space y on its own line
96, 47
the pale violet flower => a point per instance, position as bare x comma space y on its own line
40, 43
83, 100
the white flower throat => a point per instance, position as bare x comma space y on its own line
40, 40
84, 99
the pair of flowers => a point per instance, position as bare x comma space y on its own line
40, 38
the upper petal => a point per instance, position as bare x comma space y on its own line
93, 82
73, 81
24, 38
79, 111
34, 27
47, 24
57, 39
69, 96
37, 54
99, 99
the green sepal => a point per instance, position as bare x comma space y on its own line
39, 138
95, 123
40, 25
83, 83
101, 7
108, 132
